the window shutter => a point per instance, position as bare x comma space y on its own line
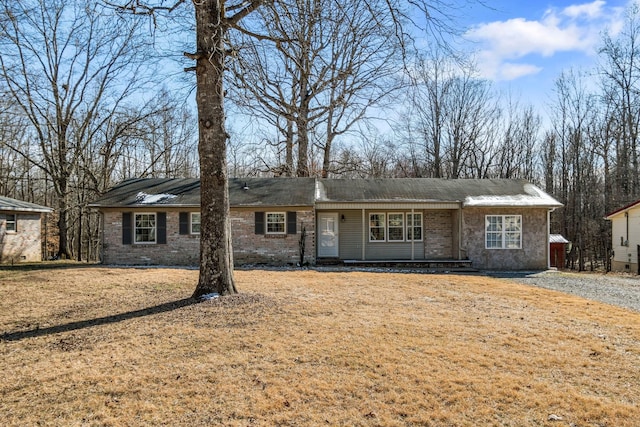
126, 228
291, 222
259, 222
184, 222
161, 228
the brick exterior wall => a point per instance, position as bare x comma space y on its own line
183, 249
23, 245
179, 250
252, 248
438, 234
534, 252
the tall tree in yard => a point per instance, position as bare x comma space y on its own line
214, 21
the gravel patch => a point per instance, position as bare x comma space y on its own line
620, 290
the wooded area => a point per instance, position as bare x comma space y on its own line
90, 96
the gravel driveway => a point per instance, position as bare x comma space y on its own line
623, 291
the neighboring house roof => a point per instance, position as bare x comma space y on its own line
185, 192
9, 204
469, 192
557, 238
622, 209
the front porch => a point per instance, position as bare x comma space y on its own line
457, 265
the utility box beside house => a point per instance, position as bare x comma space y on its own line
557, 250
625, 238
20, 231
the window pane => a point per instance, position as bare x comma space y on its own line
494, 223
145, 228
376, 220
494, 240
512, 223
503, 231
396, 220
512, 240
195, 223
396, 227
10, 223
414, 227
376, 227
275, 222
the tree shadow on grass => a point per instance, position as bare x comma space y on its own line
82, 324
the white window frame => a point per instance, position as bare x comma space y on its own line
268, 222
11, 225
382, 219
412, 226
395, 227
192, 222
153, 228
503, 236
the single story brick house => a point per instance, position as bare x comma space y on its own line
492, 224
20, 230
625, 238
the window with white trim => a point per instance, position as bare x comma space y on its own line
10, 224
395, 227
503, 231
276, 222
195, 222
377, 227
414, 227
145, 228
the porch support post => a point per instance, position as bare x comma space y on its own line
460, 232
413, 256
364, 234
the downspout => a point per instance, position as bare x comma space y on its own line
548, 238
626, 239
413, 257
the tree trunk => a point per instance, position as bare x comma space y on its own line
216, 252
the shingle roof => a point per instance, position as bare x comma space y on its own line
306, 191
469, 192
9, 204
185, 192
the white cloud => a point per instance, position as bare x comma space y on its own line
590, 10
503, 45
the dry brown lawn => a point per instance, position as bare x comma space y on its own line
126, 347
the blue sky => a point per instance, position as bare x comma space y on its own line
523, 46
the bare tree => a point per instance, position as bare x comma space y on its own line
573, 116
426, 115
516, 152
68, 67
620, 71
329, 63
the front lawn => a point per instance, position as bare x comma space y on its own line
126, 347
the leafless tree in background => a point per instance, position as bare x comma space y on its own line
69, 68
327, 64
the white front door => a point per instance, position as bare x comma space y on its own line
328, 232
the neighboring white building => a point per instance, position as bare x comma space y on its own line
625, 237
